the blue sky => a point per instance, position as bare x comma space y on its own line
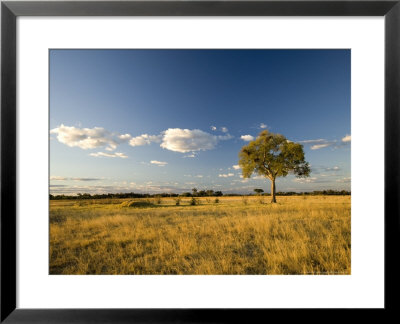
171, 120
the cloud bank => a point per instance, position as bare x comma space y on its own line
58, 178
172, 139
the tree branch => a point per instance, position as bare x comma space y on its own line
269, 173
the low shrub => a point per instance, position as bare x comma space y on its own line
137, 204
157, 200
194, 201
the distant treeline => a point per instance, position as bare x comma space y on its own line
200, 193
315, 193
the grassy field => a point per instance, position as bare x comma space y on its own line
237, 235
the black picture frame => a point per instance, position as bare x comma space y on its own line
10, 10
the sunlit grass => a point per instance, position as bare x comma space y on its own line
298, 235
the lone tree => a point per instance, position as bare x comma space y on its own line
258, 191
272, 155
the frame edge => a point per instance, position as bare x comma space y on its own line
392, 152
8, 162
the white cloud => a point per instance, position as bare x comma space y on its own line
262, 126
144, 139
320, 146
258, 177
159, 163
112, 155
247, 138
224, 129
322, 143
224, 137
213, 128
344, 180
199, 176
305, 180
111, 147
244, 180
226, 175
346, 139
57, 178
335, 168
88, 138
186, 140
125, 137
316, 141
236, 167
192, 155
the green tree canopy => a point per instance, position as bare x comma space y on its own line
272, 155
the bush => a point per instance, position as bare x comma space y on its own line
194, 201
137, 204
216, 200
177, 201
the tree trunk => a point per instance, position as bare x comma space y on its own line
273, 191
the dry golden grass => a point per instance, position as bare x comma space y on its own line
298, 235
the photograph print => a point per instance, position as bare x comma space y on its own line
200, 161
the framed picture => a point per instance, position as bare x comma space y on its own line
171, 161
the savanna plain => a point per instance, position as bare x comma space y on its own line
208, 235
